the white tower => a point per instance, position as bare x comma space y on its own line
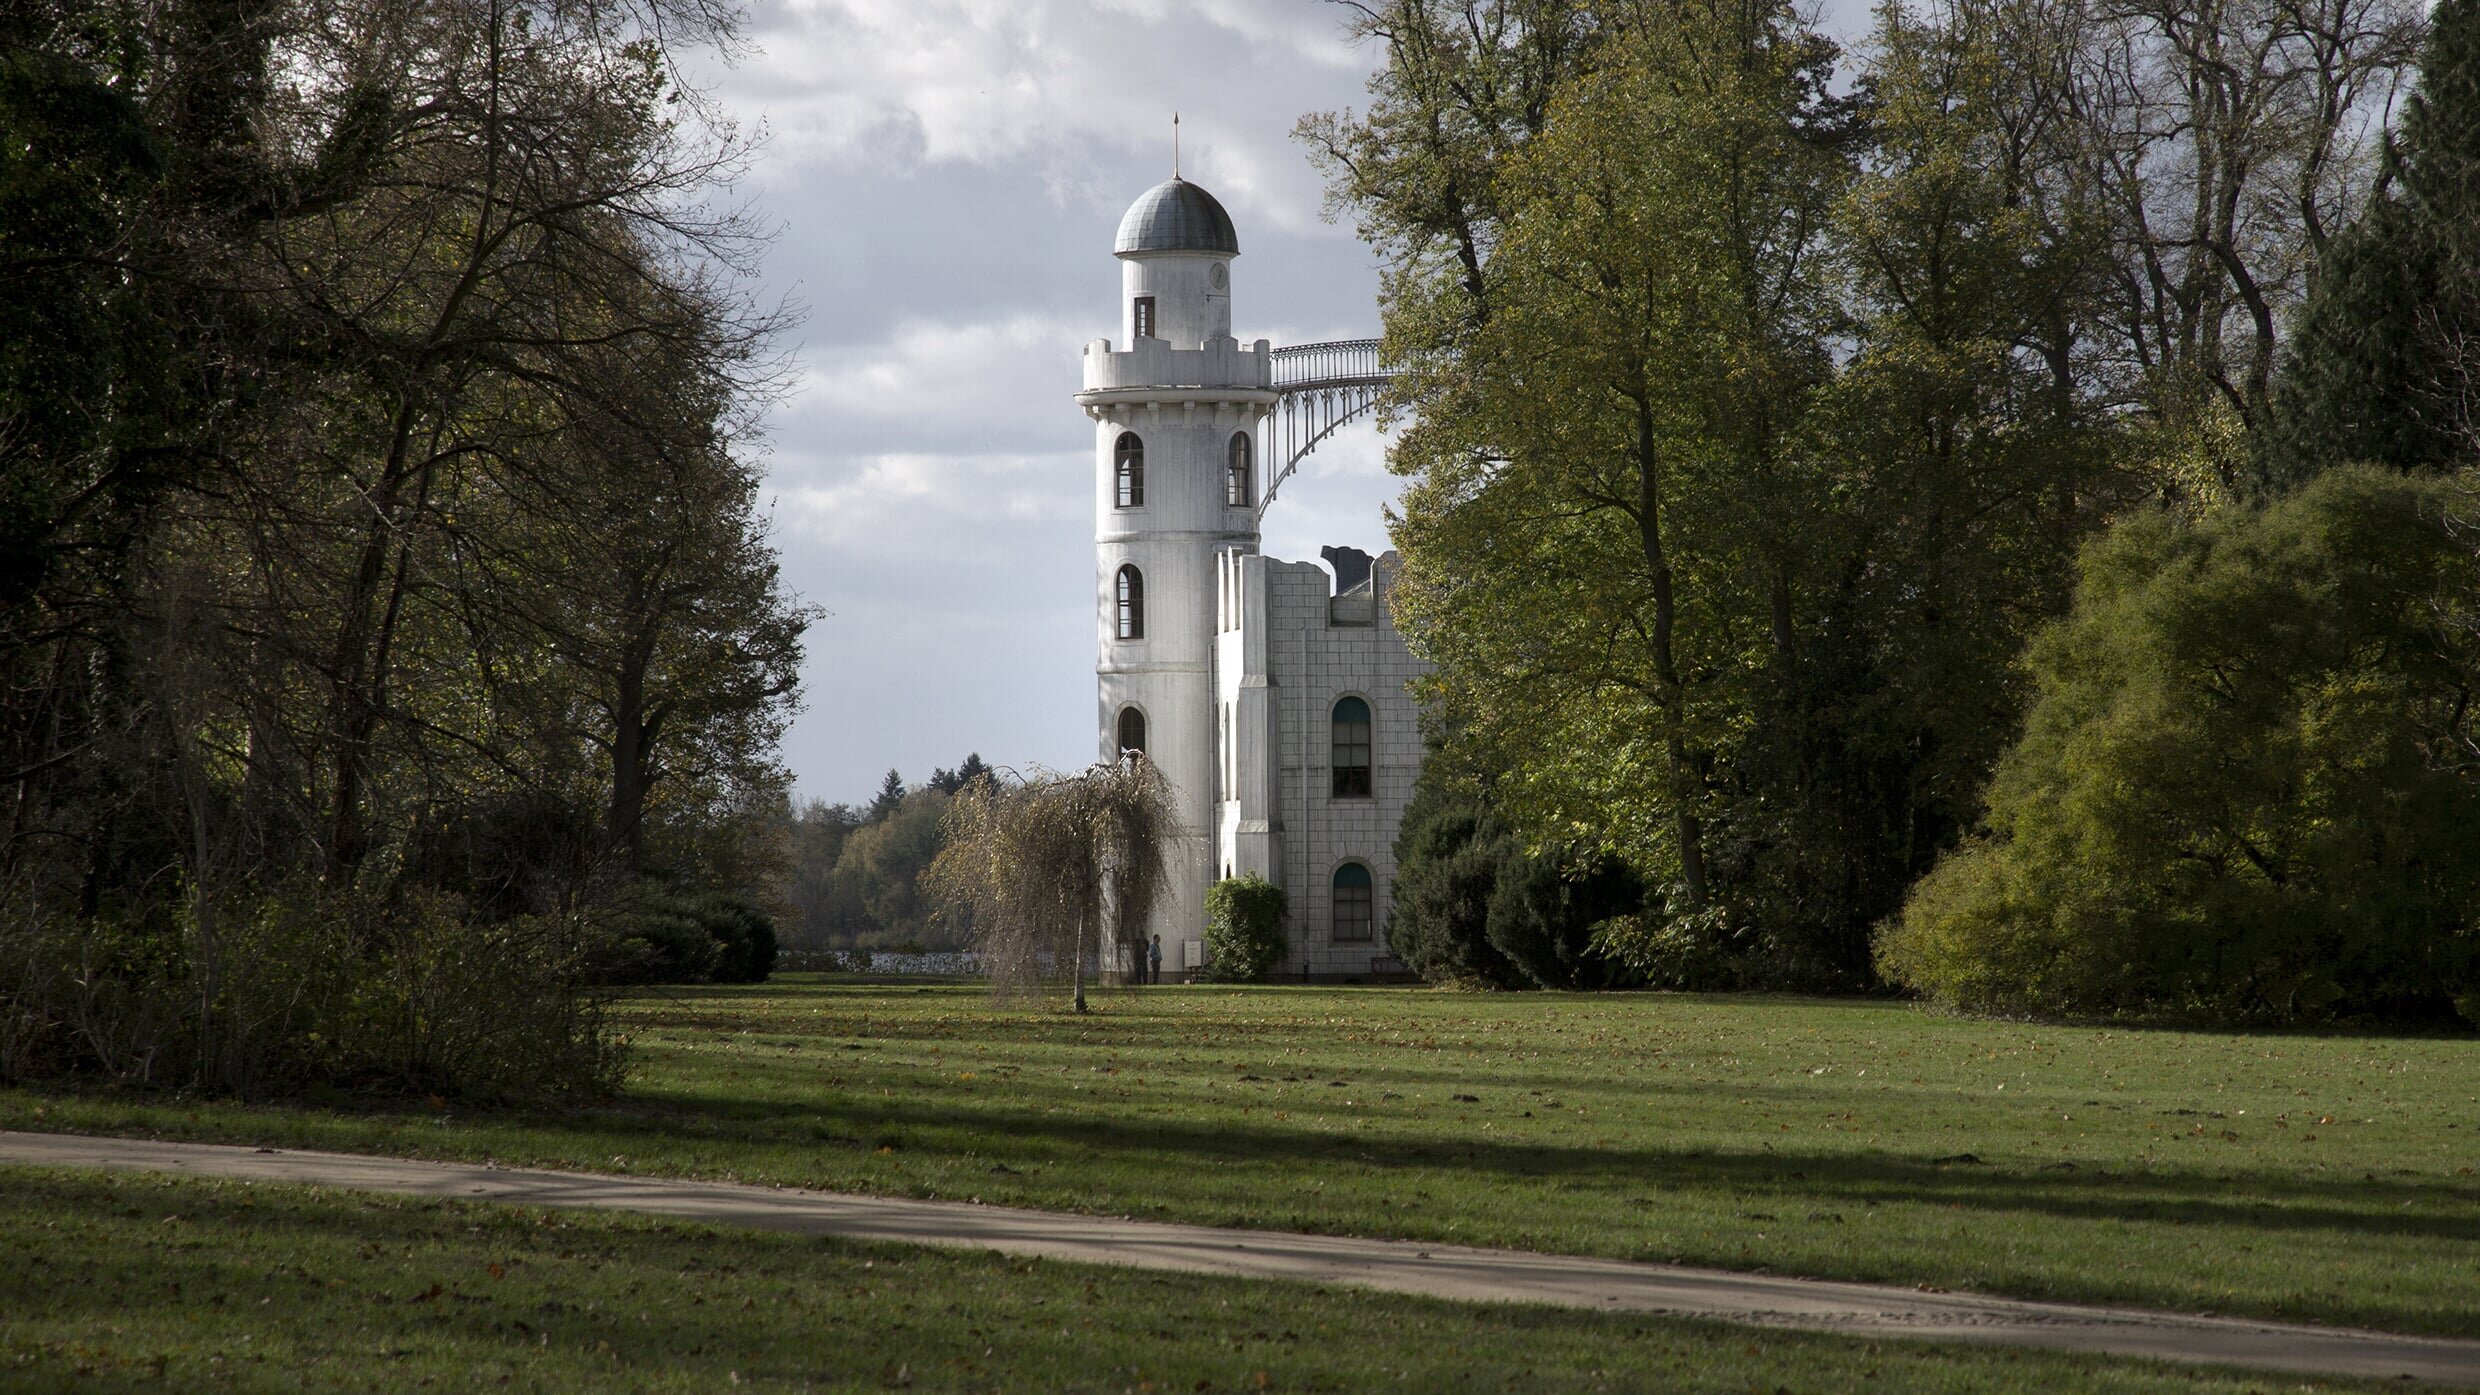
1176, 480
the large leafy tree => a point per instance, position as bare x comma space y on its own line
1936, 484
1466, 84
882, 867
2246, 789
1754, 430
1577, 520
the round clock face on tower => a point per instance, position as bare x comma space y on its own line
1218, 278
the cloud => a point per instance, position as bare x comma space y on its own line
1055, 87
986, 81
1015, 367
945, 505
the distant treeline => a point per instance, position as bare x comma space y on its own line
854, 878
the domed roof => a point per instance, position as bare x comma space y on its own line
1176, 216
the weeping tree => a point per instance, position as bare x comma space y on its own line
1046, 866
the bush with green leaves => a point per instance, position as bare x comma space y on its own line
2247, 787
1701, 951
744, 939
655, 932
452, 1006
302, 988
645, 934
1543, 915
1448, 856
1244, 928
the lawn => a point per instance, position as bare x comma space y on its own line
127, 1282
2325, 1178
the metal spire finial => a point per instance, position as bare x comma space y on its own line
1175, 145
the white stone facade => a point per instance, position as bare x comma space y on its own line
1235, 663
1292, 647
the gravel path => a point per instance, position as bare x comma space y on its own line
1397, 1266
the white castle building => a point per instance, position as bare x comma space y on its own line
1270, 694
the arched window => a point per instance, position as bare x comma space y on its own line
1356, 903
1132, 730
1351, 746
1236, 482
1130, 456
1131, 605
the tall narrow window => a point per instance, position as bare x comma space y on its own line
1236, 485
1129, 454
1132, 730
1356, 903
1351, 746
1131, 604
1144, 327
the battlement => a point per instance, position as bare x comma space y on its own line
1154, 363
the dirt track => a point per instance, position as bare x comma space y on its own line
1397, 1266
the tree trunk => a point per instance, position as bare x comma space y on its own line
1076, 960
1686, 827
634, 729
351, 671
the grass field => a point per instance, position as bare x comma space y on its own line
2326, 1178
119, 1282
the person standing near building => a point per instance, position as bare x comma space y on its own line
1153, 961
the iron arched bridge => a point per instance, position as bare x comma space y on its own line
1320, 389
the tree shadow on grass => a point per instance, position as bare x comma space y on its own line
846, 987
2439, 1210
1553, 1188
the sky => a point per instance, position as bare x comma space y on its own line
947, 176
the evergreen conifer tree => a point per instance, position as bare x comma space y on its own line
2381, 361
891, 792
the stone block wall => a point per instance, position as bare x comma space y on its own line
1316, 648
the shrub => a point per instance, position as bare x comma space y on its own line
524, 853
1543, 913
452, 1007
655, 932
103, 996
745, 938
301, 989
1448, 857
649, 933
1693, 952
1244, 928
2241, 793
